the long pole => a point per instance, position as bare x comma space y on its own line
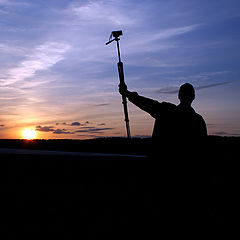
121, 78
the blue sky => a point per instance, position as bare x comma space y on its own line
58, 77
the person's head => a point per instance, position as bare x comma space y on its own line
186, 93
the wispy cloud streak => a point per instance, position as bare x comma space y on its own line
93, 130
152, 42
173, 89
212, 85
98, 11
41, 58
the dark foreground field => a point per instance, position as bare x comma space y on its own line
116, 196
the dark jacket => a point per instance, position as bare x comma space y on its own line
175, 125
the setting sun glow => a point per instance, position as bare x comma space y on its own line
29, 134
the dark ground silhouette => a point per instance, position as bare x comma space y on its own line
69, 196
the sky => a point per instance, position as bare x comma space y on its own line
59, 78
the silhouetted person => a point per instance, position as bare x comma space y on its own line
175, 126
177, 137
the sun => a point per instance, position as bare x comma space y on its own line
29, 134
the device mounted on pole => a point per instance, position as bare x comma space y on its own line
115, 35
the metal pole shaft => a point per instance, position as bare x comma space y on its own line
124, 98
118, 49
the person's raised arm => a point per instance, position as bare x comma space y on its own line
146, 104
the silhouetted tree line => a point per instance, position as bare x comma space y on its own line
215, 145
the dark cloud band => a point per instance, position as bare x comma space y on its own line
45, 129
93, 130
172, 89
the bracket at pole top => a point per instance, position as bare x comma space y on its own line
116, 35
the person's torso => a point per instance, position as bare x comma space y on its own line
177, 123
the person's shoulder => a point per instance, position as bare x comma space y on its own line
168, 105
199, 117
197, 114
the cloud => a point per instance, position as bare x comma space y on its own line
13, 3
171, 32
101, 105
9, 49
93, 130
76, 124
6, 2
45, 129
157, 41
89, 135
101, 11
173, 89
167, 90
3, 2
87, 127
155, 34
80, 124
63, 123
41, 57
62, 131
51, 129
226, 134
211, 85
221, 133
